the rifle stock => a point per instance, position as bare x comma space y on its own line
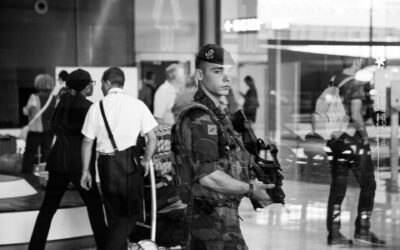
266, 171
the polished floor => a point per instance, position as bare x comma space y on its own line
301, 223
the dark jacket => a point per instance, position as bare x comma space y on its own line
67, 122
146, 94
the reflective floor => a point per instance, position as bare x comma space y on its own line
301, 223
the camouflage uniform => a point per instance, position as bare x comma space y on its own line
212, 216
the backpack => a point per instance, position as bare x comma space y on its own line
181, 156
330, 119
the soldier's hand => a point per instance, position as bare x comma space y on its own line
86, 180
260, 193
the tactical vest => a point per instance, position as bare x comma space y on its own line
234, 159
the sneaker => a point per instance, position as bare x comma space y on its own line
369, 238
338, 239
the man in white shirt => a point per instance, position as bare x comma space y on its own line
121, 177
164, 98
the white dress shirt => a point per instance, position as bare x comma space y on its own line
164, 100
126, 116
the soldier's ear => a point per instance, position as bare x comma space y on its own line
198, 75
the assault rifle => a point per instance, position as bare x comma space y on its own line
266, 171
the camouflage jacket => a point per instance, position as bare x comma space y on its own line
213, 145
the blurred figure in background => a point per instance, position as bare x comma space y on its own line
351, 150
62, 78
149, 87
164, 98
39, 132
231, 101
64, 163
186, 97
250, 100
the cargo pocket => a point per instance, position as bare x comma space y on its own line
206, 227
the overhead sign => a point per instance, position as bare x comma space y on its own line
243, 25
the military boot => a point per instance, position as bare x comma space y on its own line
363, 234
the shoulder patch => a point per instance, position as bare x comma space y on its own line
212, 129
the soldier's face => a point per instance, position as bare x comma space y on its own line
216, 78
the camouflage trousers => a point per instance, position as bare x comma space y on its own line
215, 229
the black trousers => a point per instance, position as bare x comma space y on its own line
56, 187
360, 162
33, 141
122, 189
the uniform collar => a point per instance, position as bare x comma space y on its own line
209, 95
115, 91
202, 97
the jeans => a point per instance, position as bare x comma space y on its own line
345, 158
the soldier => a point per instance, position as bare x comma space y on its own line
219, 162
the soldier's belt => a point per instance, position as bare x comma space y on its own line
214, 203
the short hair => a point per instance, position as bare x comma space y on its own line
44, 82
115, 75
347, 61
171, 71
199, 64
63, 75
149, 75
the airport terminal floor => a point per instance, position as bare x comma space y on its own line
301, 223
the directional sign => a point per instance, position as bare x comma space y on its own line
243, 25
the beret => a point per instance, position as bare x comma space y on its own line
215, 54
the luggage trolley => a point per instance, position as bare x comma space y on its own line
161, 195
